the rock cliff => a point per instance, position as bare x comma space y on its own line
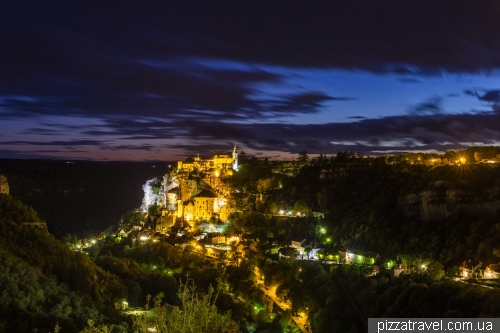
4, 185
189, 187
438, 204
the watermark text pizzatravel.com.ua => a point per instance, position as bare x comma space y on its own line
379, 325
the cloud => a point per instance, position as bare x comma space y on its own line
221, 74
409, 80
164, 60
492, 97
422, 132
187, 137
308, 102
69, 143
431, 106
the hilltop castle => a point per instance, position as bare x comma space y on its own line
197, 197
218, 162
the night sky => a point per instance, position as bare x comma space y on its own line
162, 80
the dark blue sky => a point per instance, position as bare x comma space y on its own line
163, 80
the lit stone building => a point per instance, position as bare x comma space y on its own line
203, 207
218, 162
492, 271
205, 204
165, 221
187, 197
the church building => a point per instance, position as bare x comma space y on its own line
217, 162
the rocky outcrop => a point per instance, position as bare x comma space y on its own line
190, 186
170, 186
4, 185
433, 204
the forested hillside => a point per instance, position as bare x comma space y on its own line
44, 282
371, 205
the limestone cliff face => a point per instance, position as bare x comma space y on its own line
4, 185
190, 186
169, 192
432, 204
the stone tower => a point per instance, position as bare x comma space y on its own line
4, 185
235, 158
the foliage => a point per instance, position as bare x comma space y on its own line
250, 172
196, 313
31, 301
47, 279
12, 210
266, 184
91, 328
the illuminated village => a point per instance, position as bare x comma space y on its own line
205, 212
194, 204
211, 219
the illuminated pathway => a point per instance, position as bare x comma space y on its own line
285, 307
